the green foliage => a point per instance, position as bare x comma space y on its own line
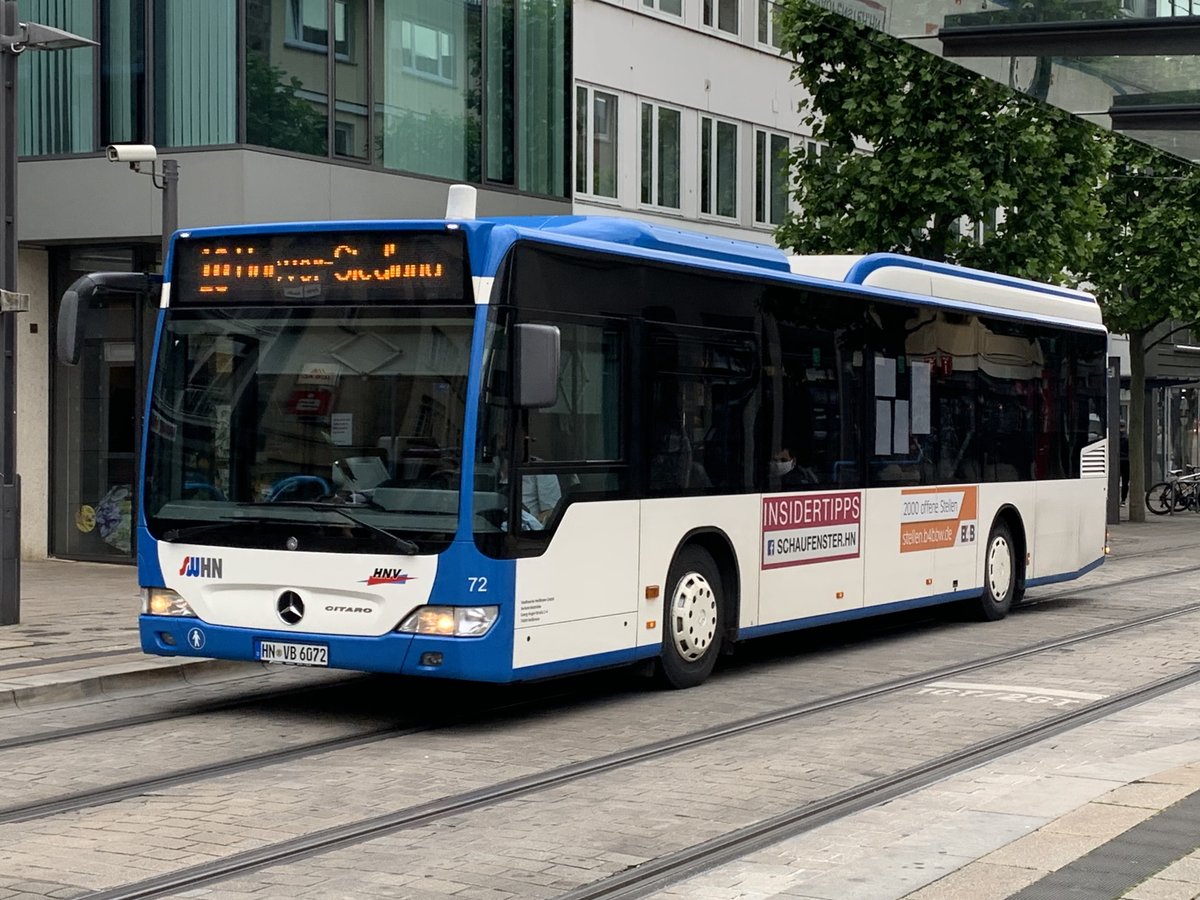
945, 143
1149, 267
275, 115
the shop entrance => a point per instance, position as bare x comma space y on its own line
97, 406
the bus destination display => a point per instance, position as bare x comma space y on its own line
321, 267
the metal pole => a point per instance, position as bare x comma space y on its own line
170, 204
1114, 440
10, 508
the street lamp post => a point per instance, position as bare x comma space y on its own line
15, 38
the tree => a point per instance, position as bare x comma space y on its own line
913, 143
943, 143
1147, 272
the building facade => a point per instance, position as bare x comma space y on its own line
684, 110
275, 110
676, 111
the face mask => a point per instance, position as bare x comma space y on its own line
782, 467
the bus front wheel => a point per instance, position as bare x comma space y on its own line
999, 574
692, 619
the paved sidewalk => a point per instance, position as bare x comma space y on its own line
78, 639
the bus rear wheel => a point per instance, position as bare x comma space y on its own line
692, 619
1000, 576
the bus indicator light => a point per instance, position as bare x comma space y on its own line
651, 624
652, 592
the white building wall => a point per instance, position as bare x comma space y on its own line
637, 53
33, 398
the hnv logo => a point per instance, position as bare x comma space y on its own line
388, 576
201, 567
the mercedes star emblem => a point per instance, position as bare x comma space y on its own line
289, 607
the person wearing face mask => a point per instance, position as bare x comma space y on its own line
784, 470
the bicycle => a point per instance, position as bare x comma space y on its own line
1178, 493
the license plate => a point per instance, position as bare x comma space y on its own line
293, 654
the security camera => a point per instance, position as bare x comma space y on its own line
132, 153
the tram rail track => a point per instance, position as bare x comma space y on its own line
259, 697
673, 867
129, 789
196, 709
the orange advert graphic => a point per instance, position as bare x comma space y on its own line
937, 518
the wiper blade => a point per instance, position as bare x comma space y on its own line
177, 534
404, 545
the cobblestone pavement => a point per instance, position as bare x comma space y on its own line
992, 831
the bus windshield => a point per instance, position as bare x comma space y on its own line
318, 428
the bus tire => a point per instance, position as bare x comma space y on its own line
1000, 575
693, 619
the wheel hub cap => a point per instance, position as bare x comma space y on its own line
693, 616
999, 568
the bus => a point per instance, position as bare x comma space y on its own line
506, 449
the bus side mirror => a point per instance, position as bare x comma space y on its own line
536, 384
71, 312
78, 299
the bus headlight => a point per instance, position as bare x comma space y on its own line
450, 621
164, 602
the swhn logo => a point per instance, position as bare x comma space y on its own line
201, 567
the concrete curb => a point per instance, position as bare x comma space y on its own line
67, 688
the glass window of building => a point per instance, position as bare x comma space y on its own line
722, 15
351, 74
660, 155
400, 84
123, 72
768, 23
718, 167
501, 92
671, 7
195, 74
95, 409
770, 177
55, 90
308, 25
428, 87
544, 101
287, 75
595, 142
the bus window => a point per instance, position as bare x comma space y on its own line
700, 410
571, 450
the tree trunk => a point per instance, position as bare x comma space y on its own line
1137, 426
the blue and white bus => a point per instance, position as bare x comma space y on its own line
506, 449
